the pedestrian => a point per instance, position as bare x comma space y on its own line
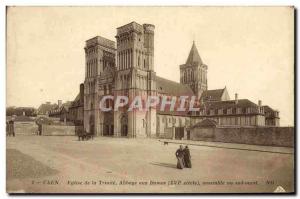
187, 157
39, 129
7, 128
11, 129
180, 155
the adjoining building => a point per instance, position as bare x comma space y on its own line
76, 108
45, 108
271, 116
61, 111
127, 68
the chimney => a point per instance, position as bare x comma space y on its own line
48, 103
236, 98
81, 92
59, 102
259, 102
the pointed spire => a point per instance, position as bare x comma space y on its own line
194, 55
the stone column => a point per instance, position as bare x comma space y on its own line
126, 59
129, 57
133, 57
117, 60
117, 119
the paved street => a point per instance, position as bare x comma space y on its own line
64, 164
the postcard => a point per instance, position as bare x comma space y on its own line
150, 99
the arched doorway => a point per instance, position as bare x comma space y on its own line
108, 129
124, 131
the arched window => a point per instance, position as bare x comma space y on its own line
138, 60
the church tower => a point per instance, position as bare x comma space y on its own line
135, 77
99, 81
194, 72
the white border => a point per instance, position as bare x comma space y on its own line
5, 3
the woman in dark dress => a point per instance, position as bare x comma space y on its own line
180, 155
7, 128
11, 129
187, 157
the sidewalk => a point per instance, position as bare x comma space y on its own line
233, 146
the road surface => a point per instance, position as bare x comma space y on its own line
51, 164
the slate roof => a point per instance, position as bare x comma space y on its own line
65, 106
44, 108
212, 95
269, 112
76, 102
172, 88
194, 56
268, 109
242, 103
173, 113
77, 98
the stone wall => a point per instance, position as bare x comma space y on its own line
270, 136
58, 130
168, 133
203, 134
25, 128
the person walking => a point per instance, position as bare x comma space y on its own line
187, 157
11, 128
180, 155
7, 128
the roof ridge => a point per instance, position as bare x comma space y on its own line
216, 89
172, 87
168, 80
233, 100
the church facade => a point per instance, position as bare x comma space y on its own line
126, 68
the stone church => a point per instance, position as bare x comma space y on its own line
127, 68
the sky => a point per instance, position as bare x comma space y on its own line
250, 50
